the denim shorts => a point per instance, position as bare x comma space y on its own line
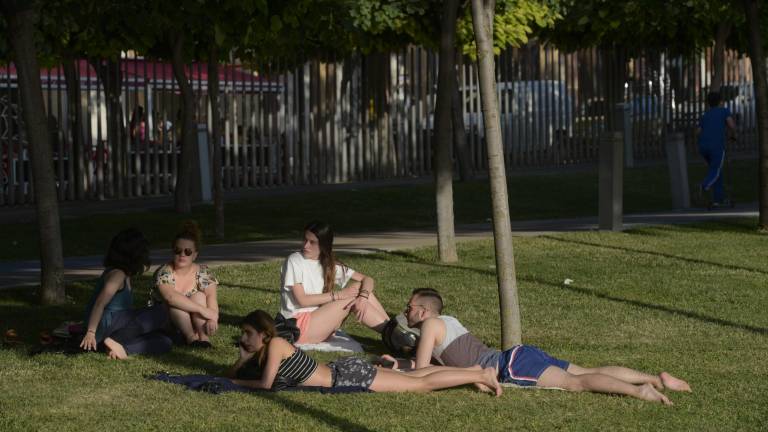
523, 365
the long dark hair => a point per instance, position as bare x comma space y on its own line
328, 260
262, 323
129, 252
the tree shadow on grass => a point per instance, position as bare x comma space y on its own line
302, 409
657, 254
415, 259
247, 287
688, 314
186, 358
662, 308
745, 226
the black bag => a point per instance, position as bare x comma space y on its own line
399, 338
286, 328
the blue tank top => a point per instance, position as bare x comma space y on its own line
121, 301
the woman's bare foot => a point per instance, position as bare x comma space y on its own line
490, 381
649, 393
116, 351
672, 383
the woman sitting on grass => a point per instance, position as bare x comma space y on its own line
113, 324
189, 289
264, 357
308, 292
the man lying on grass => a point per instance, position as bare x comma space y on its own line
446, 340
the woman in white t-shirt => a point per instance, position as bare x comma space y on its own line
309, 293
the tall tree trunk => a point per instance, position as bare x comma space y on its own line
757, 58
213, 97
183, 193
615, 70
718, 56
75, 120
482, 20
112, 79
443, 137
21, 22
461, 149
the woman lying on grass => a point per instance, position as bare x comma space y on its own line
113, 324
265, 357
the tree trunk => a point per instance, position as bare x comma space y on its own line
461, 149
615, 70
757, 58
183, 191
482, 20
443, 137
213, 96
75, 119
718, 56
21, 24
112, 79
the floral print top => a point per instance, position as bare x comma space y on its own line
164, 276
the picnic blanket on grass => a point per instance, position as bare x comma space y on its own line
217, 385
337, 342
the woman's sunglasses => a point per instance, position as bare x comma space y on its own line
184, 252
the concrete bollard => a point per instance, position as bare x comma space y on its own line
678, 170
611, 180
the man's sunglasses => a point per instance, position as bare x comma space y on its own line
184, 252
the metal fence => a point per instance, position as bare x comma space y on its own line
359, 118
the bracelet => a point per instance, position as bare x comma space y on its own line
91, 331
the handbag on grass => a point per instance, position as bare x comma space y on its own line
286, 328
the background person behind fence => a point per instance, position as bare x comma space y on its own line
712, 137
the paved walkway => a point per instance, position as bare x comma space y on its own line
27, 273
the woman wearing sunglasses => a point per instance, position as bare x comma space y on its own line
189, 289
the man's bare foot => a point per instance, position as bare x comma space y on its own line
491, 381
672, 383
116, 351
484, 388
649, 393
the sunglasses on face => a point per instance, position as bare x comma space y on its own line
184, 252
409, 307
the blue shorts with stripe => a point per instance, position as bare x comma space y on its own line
524, 364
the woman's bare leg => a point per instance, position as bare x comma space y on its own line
198, 322
554, 376
183, 321
375, 316
325, 320
388, 380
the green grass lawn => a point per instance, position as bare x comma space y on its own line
690, 300
533, 196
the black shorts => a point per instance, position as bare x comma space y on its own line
352, 372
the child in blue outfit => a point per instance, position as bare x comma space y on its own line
712, 134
